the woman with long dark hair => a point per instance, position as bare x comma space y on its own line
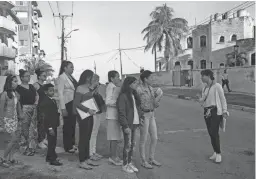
29, 100
129, 116
66, 89
10, 114
41, 77
84, 92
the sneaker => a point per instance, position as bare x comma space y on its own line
213, 157
98, 155
116, 162
218, 158
127, 169
41, 145
133, 167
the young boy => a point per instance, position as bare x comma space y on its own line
51, 122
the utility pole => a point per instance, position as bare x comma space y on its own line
120, 54
63, 17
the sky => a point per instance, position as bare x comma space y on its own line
99, 25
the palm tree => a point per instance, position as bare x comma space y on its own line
31, 64
236, 59
164, 30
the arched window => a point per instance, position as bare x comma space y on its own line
253, 59
222, 39
190, 42
177, 63
190, 62
203, 41
203, 64
233, 37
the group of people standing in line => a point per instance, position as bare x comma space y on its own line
29, 112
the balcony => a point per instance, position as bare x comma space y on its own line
35, 44
7, 4
35, 31
35, 9
7, 51
7, 26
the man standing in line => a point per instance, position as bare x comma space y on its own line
149, 99
225, 80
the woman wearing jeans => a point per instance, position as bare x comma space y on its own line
129, 116
215, 109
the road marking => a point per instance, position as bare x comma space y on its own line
176, 131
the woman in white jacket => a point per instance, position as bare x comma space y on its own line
66, 88
215, 109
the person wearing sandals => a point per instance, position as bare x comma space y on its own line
66, 89
97, 118
41, 77
215, 109
11, 115
114, 132
51, 115
82, 93
129, 115
28, 100
149, 101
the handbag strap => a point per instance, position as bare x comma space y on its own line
207, 92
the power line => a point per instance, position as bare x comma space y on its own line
112, 57
52, 13
131, 60
96, 54
134, 48
58, 6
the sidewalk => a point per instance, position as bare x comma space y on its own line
36, 168
233, 98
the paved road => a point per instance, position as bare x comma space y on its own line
184, 145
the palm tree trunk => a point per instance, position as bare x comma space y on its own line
167, 63
155, 61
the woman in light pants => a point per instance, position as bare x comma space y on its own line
97, 118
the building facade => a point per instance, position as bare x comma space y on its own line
212, 42
8, 36
29, 31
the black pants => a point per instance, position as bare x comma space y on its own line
40, 126
85, 132
69, 128
52, 141
213, 124
129, 145
225, 82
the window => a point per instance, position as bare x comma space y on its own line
190, 42
211, 65
222, 65
233, 37
253, 59
222, 39
203, 64
203, 41
190, 62
177, 63
23, 42
23, 27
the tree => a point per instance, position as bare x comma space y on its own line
32, 63
164, 30
236, 59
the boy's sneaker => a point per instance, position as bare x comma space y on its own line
116, 162
127, 169
218, 158
213, 157
133, 167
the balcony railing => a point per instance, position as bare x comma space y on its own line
7, 51
7, 25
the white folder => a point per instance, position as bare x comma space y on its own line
91, 104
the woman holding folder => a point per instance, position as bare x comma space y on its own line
84, 93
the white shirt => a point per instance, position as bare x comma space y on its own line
112, 93
136, 119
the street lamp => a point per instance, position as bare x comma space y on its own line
71, 32
236, 52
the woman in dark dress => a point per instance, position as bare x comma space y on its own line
28, 100
41, 77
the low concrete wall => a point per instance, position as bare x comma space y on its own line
242, 79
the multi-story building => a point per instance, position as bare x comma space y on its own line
8, 36
29, 31
212, 42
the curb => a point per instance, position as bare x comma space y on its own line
236, 107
